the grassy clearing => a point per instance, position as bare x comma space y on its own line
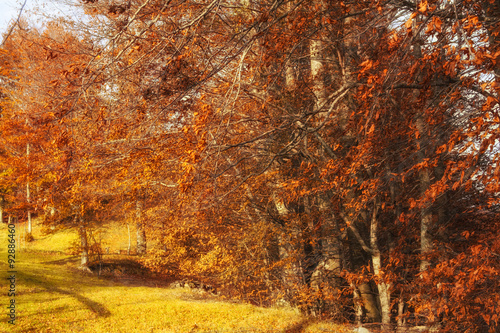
114, 236
53, 296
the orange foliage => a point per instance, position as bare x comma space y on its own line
279, 150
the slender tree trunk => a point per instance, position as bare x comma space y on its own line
384, 292
383, 287
424, 175
426, 214
28, 191
290, 73
291, 273
141, 231
290, 76
401, 307
84, 245
29, 212
129, 239
1, 208
367, 295
326, 276
317, 69
358, 304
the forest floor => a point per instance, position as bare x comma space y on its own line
52, 295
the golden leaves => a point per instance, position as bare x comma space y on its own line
409, 22
372, 129
422, 6
366, 65
435, 25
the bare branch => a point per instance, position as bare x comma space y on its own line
16, 23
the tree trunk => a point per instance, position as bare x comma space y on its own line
424, 175
141, 231
28, 192
367, 295
29, 212
287, 248
129, 239
1, 208
426, 214
326, 276
339, 75
84, 245
358, 304
382, 286
290, 73
316, 61
492, 12
370, 302
401, 308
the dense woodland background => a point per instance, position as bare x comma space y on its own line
341, 156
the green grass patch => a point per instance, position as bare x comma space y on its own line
53, 296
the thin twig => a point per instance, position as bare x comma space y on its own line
16, 23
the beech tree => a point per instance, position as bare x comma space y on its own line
345, 126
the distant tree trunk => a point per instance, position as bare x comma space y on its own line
28, 192
29, 212
141, 231
401, 308
84, 245
1, 208
129, 239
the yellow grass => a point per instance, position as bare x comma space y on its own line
114, 236
53, 296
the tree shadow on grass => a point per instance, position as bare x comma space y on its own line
300, 326
64, 261
95, 307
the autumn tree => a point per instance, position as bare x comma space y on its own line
338, 156
344, 127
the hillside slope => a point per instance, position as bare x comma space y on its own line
51, 295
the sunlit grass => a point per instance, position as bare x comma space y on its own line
114, 236
53, 296
56, 242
